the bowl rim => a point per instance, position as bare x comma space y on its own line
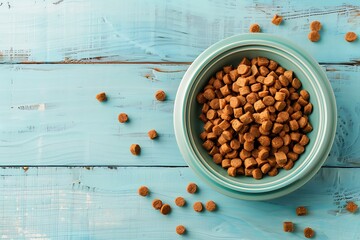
193, 73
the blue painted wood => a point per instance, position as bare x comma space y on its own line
160, 30
102, 203
51, 114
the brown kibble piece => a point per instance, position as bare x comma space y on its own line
314, 36
304, 140
198, 207
288, 226
257, 174
350, 36
243, 69
273, 172
152, 134
143, 191
281, 158
157, 204
277, 19
165, 209
192, 188
123, 117
232, 171
101, 97
255, 28
180, 201
351, 207
265, 168
301, 211
315, 26
308, 232
298, 149
210, 206
180, 229
135, 149
160, 95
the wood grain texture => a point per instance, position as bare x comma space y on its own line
102, 203
50, 116
160, 30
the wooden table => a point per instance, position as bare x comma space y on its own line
82, 180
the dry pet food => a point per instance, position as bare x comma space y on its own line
123, 117
315, 26
351, 207
198, 207
165, 209
288, 226
143, 191
256, 117
157, 204
152, 134
301, 211
101, 97
314, 36
191, 188
180, 229
160, 95
210, 206
277, 19
180, 201
135, 149
308, 232
350, 36
254, 28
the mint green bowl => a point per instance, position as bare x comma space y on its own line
188, 127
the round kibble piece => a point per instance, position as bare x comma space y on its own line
301, 211
198, 207
123, 117
351, 207
152, 134
143, 191
308, 232
101, 97
160, 95
135, 149
180, 229
350, 36
191, 188
288, 226
157, 204
314, 36
315, 26
180, 201
210, 206
255, 28
165, 209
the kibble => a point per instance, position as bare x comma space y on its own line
277, 19
180, 201
160, 95
288, 226
314, 36
210, 206
259, 126
315, 26
152, 134
301, 211
192, 188
309, 232
165, 209
198, 207
143, 191
101, 97
350, 36
180, 230
135, 149
351, 207
254, 28
157, 204
123, 117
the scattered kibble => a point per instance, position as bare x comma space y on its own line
160, 95
135, 149
350, 36
180, 229
165, 209
180, 201
314, 36
143, 191
210, 206
256, 118
277, 19
152, 134
198, 207
157, 204
315, 26
101, 97
351, 207
123, 117
288, 226
301, 211
25, 169
191, 188
309, 232
254, 28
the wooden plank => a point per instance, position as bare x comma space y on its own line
140, 30
102, 203
50, 116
